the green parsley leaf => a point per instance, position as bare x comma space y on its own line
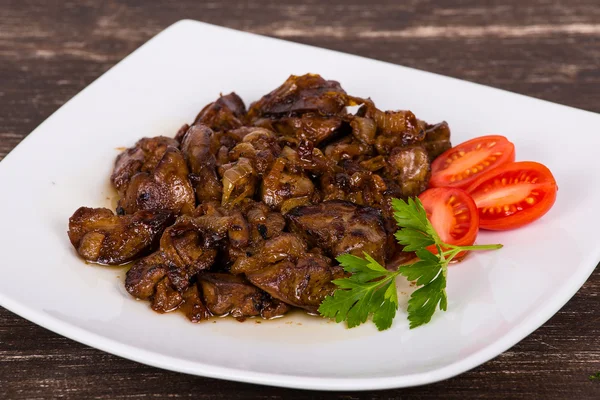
358, 267
384, 315
424, 301
371, 290
410, 214
424, 270
411, 217
413, 240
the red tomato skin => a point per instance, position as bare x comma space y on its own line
436, 197
501, 221
440, 179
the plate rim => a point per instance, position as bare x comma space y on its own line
95, 340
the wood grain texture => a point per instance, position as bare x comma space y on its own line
550, 49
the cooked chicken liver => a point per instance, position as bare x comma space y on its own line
103, 237
166, 187
244, 212
340, 227
226, 294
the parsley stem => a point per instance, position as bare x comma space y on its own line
451, 255
477, 247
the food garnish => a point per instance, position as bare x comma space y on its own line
513, 195
371, 289
462, 164
453, 214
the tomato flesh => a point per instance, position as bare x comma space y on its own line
513, 195
453, 214
460, 166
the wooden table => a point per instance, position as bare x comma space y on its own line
549, 49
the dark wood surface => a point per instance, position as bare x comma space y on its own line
550, 49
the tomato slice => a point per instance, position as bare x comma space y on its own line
513, 195
453, 214
461, 165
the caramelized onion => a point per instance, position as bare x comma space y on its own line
239, 176
289, 204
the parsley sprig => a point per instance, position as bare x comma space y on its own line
371, 289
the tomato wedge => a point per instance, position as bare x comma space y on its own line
453, 214
513, 195
461, 165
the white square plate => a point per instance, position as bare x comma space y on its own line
495, 298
